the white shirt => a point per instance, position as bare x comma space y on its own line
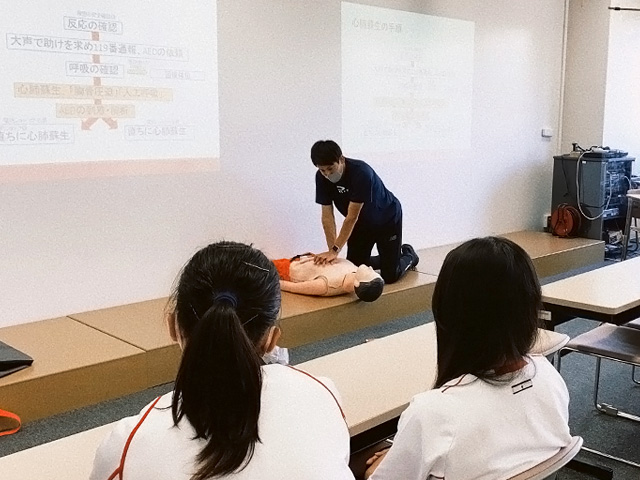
302, 432
471, 429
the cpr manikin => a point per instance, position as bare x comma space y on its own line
301, 275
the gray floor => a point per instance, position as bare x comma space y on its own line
616, 436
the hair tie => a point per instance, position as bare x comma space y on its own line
228, 296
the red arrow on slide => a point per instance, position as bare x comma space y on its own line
113, 124
89, 122
86, 124
97, 81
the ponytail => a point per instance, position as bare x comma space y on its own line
218, 389
226, 300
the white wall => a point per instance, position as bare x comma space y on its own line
601, 102
622, 97
77, 245
586, 73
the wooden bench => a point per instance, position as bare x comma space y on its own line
139, 328
376, 381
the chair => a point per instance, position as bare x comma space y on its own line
618, 343
611, 342
547, 469
634, 324
633, 213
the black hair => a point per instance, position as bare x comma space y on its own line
485, 304
325, 152
226, 299
369, 291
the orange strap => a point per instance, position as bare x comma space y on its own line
327, 388
9, 423
118, 471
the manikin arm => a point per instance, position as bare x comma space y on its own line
317, 286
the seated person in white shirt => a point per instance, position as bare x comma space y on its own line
230, 415
495, 410
301, 274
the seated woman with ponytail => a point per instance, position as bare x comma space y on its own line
230, 415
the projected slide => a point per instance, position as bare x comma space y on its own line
108, 81
407, 81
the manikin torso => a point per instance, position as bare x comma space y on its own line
304, 269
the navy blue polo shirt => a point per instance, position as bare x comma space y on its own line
359, 184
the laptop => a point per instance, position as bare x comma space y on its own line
12, 360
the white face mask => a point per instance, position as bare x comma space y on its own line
334, 177
333, 172
277, 355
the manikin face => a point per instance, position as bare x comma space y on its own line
333, 172
365, 274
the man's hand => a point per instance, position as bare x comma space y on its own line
374, 461
325, 258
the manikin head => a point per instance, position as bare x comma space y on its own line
367, 284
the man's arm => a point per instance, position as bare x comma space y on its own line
345, 232
349, 222
329, 225
317, 286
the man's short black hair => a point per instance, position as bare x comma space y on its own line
369, 291
325, 152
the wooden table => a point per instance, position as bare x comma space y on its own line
376, 381
608, 294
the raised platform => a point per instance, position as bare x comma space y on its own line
74, 365
93, 356
309, 319
142, 325
550, 255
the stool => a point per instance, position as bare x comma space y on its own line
633, 212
